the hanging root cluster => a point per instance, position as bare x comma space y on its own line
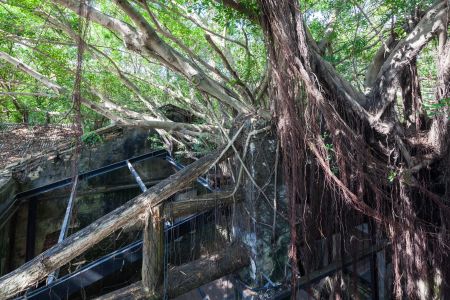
333, 168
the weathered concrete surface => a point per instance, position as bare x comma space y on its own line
96, 196
258, 221
118, 144
8, 188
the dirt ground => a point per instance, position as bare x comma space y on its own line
18, 141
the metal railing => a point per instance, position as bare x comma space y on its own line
108, 264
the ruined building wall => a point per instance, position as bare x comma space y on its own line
95, 196
260, 220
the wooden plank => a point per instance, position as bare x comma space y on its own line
176, 209
189, 276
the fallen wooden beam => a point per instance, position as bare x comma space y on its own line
187, 277
200, 203
41, 266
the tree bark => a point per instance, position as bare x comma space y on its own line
105, 108
187, 277
173, 210
412, 97
144, 39
153, 252
383, 91
30, 71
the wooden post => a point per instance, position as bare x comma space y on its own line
153, 245
153, 252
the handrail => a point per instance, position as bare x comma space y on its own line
90, 174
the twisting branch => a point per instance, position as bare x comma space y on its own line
374, 28
383, 92
194, 18
329, 30
377, 62
230, 68
198, 78
164, 31
30, 71
146, 40
176, 95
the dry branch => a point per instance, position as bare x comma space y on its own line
30, 71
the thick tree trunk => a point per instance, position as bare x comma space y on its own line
358, 138
412, 97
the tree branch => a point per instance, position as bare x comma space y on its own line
230, 68
30, 71
384, 90
187, 277
147, 41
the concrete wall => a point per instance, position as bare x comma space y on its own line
253, 220
95, 197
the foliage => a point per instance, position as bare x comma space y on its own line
212, 60
91, 138
155, 141
26, 32
392, 175
438, 107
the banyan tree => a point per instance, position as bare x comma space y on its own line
355, 95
